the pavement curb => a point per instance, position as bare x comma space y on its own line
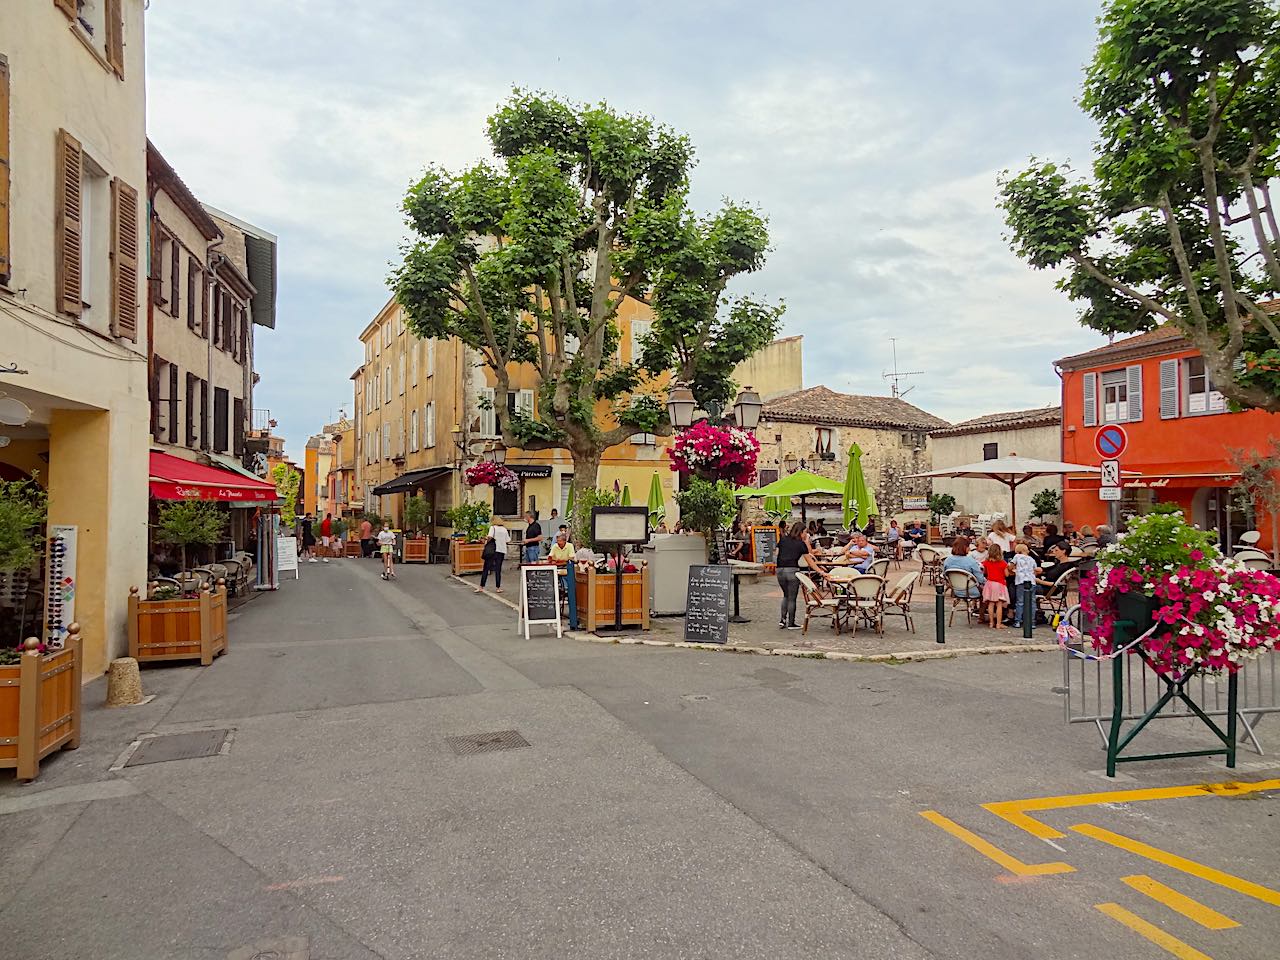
905, 656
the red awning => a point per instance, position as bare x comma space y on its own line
173, 478
1183, 474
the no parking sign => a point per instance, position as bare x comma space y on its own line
1110, 441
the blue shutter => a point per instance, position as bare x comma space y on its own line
1090, 399
1169, 389
1134, 374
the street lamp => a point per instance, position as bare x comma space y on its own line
499, 452
680, 406
747, 410
789, 461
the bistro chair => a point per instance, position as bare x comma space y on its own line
866, 601
966, 594
197, 579
880, 568
1053, 602
816, 605
164, 582
930, 563
897, 602
237, 580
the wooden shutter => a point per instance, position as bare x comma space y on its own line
175, 275
154, 387
206, 290
173, 403
1134, 375
1169, 389
191, 409
237, 427
1090, 399
114, 35
66, 6
204, 414
124, 260
6, 263
67, 223
220, 432
193, 273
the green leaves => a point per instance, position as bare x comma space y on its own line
23, 505
192, 522
1049, 211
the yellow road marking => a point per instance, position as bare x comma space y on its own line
1180, 902
1167, 942
992, 852
1015, 811
1249, 889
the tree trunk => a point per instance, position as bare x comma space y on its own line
586, 472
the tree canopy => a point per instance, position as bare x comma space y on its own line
1177, 223
529, 259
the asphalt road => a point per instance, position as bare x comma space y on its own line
669, 804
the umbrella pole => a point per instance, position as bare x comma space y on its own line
1013, 507
803, 516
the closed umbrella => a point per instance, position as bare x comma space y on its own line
626, 496
657, 506
859, 500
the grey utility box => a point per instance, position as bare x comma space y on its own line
670, 555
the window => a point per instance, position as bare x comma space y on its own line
506, 503
644, 439
767, 477
162, 395
386, 441
237, 427
521, 400
413, 364
83, 217
429, 425
1115, 397
386, 334
401, 381
990, 451
221, 431
101, 26
639, 330
204, 414
1201, 395
413, 431
488, 415
387, 383
192, 392
377, 390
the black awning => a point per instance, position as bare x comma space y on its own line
530, 469
412, 479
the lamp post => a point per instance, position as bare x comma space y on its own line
680, 404
747, 410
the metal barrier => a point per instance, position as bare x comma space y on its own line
1089, 697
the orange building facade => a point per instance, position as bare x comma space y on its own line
1180, 434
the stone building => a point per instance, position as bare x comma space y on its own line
813, 430
1035, 434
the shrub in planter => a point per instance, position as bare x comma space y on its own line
579, 516
469, 520
707, 507
190, 523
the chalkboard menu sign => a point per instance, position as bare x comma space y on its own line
706, 617
540, 596
722, 546
764, 544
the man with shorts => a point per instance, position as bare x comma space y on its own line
326, 534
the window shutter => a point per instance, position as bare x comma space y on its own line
6, 263
124, 260
1168, 389
191, 409
175, 275
237, 428
204, 414
1134, 375
220, 404
66, 6
115, 36
488, 415
66, 206
157, 366
206, 291
173, 403
1090, 399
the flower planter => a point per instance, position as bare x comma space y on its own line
596, 598
40, 706
352, 548
1137, 608
465, 558
417, 551
182, 629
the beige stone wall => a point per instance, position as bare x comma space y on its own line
988, 496
775, 370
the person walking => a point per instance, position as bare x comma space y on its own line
387, 547
791, 548
366, 538
500, 538
326, 534
532, 538
308, 539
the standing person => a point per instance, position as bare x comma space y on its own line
308, 539
1024, 571
532, 538
1001, 534
326, 534
791, 548
387, 546
366, 538
500, 537
995, 593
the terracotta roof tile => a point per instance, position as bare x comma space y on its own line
1163, 336
823, 405
1011, 420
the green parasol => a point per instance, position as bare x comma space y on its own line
859, 501
657, 506
800, 484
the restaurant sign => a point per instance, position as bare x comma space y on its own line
915, 503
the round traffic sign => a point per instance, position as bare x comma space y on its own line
1110, 441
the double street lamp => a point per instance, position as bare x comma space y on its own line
681, 404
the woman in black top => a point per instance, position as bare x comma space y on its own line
791, 549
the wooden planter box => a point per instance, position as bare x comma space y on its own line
352, 548
417, 551
466, 558
597, 600
182, 629
40, 707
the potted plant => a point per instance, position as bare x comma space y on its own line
940, 505
469, 521
190, 523
170, 624
417, 516
595, 583
1046, 504
707, 507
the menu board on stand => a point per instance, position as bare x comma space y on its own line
539, 596
764, 544
706, 617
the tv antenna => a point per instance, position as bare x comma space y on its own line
897, 374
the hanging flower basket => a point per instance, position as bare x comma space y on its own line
716, 453
488, 473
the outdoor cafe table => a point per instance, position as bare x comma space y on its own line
740, 569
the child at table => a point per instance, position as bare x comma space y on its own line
994, 593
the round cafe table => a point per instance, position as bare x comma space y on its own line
740, 569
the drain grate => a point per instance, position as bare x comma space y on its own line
485, 742
179, 746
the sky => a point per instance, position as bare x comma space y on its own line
870, 134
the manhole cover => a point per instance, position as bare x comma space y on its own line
179, 746
484, 742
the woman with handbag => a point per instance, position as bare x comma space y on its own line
496, 542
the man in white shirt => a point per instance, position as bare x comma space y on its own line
860, 552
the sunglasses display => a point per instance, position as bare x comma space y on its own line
60, 585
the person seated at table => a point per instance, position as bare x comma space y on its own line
1106, 536
1087, 538
1029, 535
812, 528
893, 540
1057, 563
1001, 534
1069, 531
860, 552
960, 559
870, 529
822, 529
978, 550
917, 533
1052, 536
964, 528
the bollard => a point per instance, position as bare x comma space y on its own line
940, 612
1028, 610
